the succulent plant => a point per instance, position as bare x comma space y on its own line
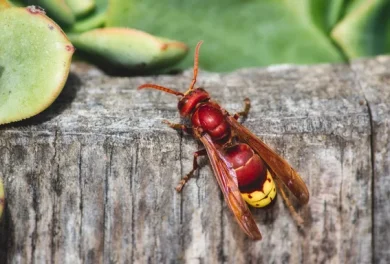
35, 57
120, 47
238, 33
35, 53
58, 10
81, 8
364, 30
127, 50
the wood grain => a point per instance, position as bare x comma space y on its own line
374, 80
91, 180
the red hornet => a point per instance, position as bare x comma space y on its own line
247, 170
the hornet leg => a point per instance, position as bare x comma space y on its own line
246, 109
195, 166
297, 218
181, 127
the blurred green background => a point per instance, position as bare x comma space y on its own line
238, 33
243, 33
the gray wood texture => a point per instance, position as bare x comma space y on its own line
374, 80
91, 179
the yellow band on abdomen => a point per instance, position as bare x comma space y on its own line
262, 197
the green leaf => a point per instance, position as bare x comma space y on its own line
81, 7
364, 31
128, 51
35, 58
236, 33
88, 23
94, 20
323, 13
58, 10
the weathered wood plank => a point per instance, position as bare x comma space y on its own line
373, 76
92, 178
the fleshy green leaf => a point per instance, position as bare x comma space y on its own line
35, 58
94, 20
58, 10
118, 49
323, 13
363, 30
81, 7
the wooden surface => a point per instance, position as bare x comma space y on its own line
91, 180
374, 81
